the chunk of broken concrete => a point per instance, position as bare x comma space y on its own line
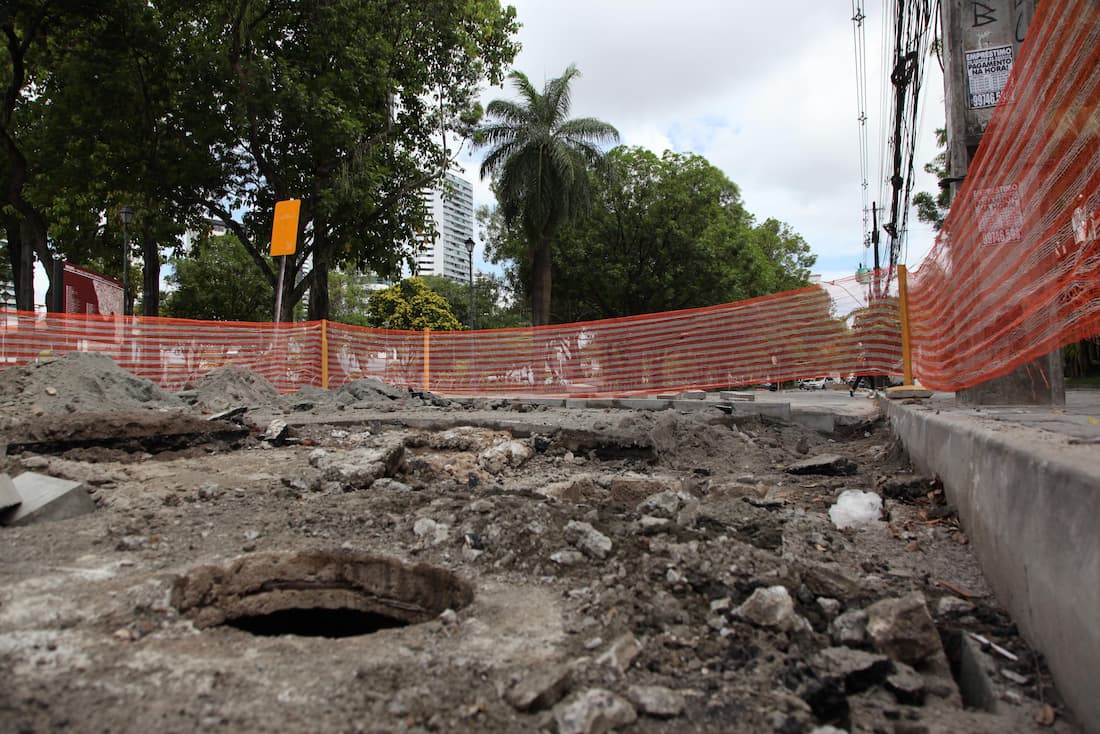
541, 689
849, 628
903, 629
359, 468
595, 711
509, 454
277, 432
858, 669
907, 685
45, 498
587, 539
825, 464
622, 653
773, 607
656, 701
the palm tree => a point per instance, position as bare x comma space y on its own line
539, 160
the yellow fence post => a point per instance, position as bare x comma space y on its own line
427, 359
324, 354
906, 346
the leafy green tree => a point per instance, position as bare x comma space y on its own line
410, 305
933, 209
491, 310
539, 160
218, 282
664, 233
30, 48
181, 110
349, 295
786, 253
352, 107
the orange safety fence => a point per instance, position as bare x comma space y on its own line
1015, 271
821, 330
169, 352
835, 328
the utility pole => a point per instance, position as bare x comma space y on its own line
981, 39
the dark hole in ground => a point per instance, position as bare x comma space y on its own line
334, 623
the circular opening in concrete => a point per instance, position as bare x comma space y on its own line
317, 594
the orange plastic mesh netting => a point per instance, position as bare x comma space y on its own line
1015, 272
826, 329
835, 328
170, 352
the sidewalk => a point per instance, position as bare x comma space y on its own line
1026, 483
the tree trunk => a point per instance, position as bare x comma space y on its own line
150, 257
541, 282
320, 306
22, 266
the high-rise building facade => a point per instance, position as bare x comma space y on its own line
451, 208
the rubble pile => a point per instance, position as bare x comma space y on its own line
635, 572
77, 382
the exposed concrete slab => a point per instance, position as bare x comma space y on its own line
692, 405
641, 404
47, 498
781, 411
8, 496
1028, 499
736, 395
818, 421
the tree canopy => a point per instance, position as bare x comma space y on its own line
662, 233
539, 160
494, 307
217, 282
410, 305
186, 110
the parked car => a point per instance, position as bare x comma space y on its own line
816, 383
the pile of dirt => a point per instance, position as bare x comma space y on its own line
78, 381
231, 386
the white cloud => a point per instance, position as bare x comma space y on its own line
766, 92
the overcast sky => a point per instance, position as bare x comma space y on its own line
764, 91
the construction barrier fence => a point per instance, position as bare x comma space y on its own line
835, 329
1015, 271
1014, 274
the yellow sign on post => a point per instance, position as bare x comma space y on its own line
284, 228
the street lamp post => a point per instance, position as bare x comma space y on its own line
126, 214
470, 254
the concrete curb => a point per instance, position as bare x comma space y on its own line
1029, 503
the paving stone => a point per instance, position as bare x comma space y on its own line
747, 397
47, 498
